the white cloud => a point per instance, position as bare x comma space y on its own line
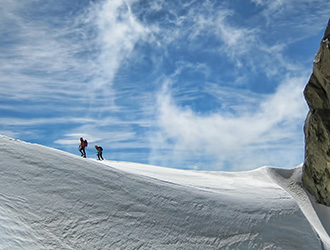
9, 133
118, 32
43, 121
53, 58
273, 123
39, 60
64, 65
114, 138
271, 4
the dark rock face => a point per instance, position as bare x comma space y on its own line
316, 175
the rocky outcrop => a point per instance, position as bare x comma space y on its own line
316, 175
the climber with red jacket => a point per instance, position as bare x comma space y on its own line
82, 146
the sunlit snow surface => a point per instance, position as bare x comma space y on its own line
50, 199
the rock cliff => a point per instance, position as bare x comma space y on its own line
316, 175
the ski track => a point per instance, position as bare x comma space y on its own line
51, 199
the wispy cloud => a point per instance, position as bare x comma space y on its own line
118, 31
38, 63
64, 64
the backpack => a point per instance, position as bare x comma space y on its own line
85, 143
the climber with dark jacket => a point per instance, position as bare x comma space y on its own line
99, 150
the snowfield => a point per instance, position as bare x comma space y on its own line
50, 199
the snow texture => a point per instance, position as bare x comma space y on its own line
50, 199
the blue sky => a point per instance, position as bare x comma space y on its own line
211, 85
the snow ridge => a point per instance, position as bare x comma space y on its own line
50, 199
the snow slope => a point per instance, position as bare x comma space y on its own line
50, 199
